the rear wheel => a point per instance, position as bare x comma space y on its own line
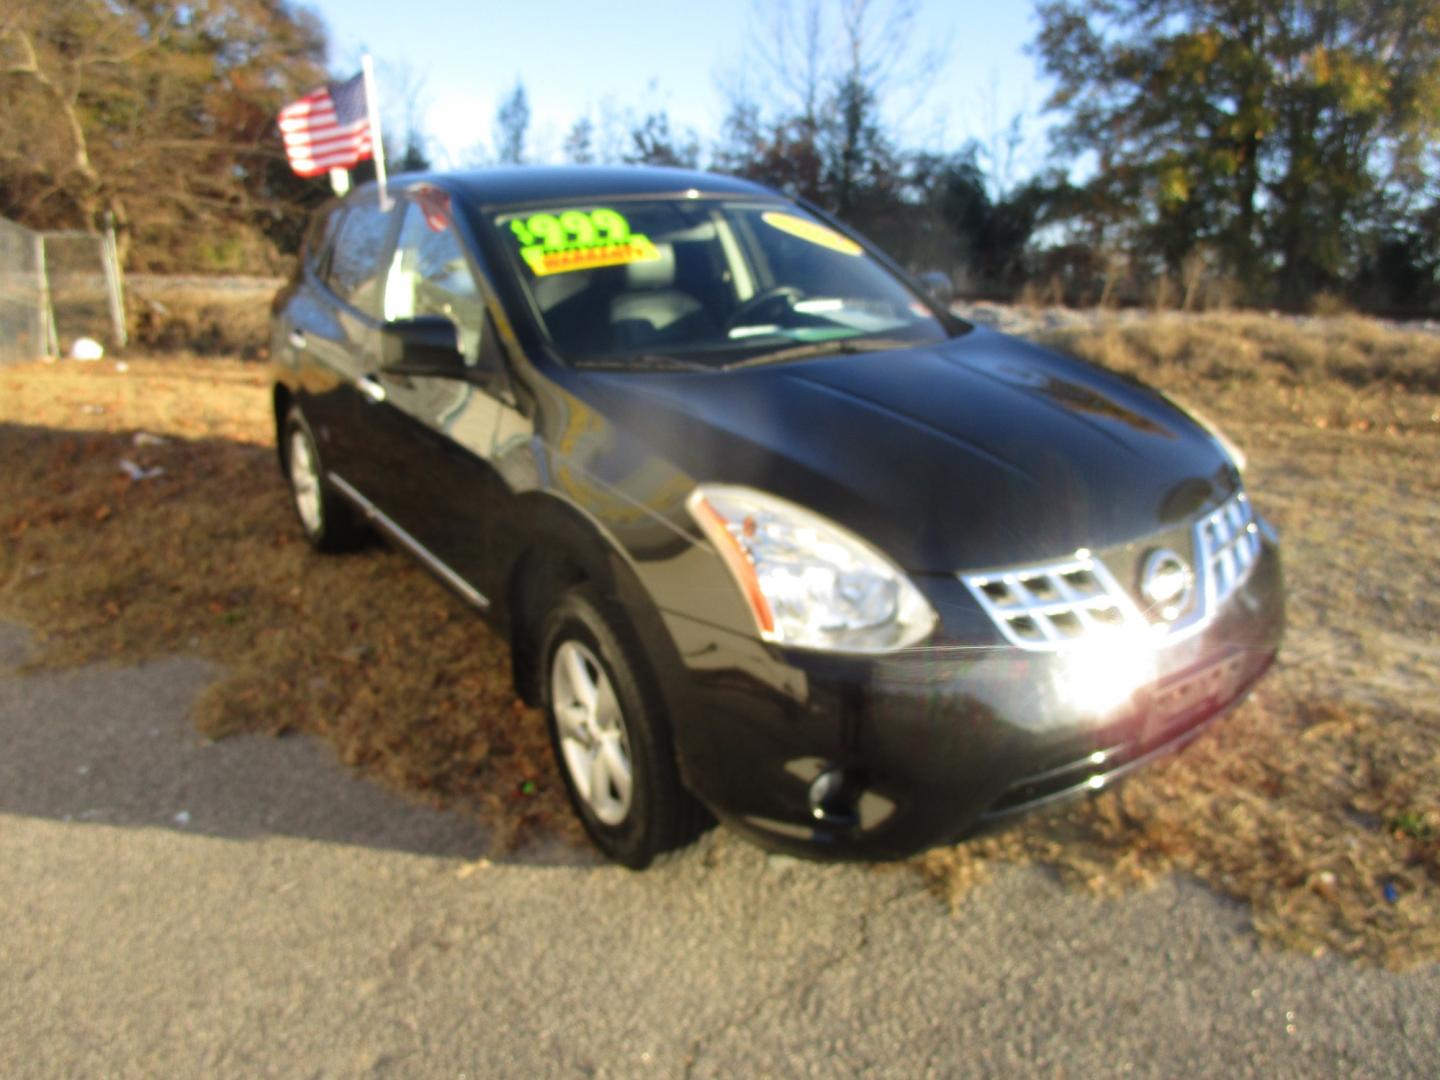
329, 523
611, 738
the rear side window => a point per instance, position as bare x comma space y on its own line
355, 268
320, 236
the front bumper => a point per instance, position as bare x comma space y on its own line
934, 742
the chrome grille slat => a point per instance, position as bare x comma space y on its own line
1020, 602
1227, 541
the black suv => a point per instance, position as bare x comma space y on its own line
769, 531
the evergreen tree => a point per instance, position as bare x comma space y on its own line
512, 123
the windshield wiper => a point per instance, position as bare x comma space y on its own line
834, 347
644, 362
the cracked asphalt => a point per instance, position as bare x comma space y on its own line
251, 908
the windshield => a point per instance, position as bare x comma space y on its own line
705, 282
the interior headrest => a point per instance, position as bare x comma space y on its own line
653, 273
556, 289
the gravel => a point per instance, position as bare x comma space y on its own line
251, 908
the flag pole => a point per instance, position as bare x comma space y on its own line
372, 113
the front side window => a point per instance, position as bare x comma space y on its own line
430, 275
354, 270
707, 281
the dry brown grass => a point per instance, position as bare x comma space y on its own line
365, 651
1316, 803
1350, 368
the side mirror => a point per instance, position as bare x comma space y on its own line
428, 345
939, 286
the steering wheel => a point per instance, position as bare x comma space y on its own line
744, 313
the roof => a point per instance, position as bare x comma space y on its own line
508, 184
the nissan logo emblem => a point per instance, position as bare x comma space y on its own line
1167, 583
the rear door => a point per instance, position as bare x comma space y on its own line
337, 330
308, 314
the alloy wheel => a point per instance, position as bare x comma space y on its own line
305, 481
593, 740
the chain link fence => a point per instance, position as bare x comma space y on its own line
84, 285
24, 310
56, 288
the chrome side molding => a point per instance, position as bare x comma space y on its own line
409, 543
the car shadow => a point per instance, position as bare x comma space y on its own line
115, 745
155, 551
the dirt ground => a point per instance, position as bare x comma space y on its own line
143, 516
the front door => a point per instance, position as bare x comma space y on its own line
434, 437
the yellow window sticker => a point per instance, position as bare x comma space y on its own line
811, 232
557, 243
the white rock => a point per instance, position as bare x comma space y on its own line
86, 349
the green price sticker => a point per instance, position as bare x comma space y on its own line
557, 243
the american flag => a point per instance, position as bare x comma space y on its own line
328, 128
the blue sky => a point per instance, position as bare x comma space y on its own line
576, 57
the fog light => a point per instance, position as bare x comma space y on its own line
834, 798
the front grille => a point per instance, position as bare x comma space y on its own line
1228, 541
1048, 606
1052, 606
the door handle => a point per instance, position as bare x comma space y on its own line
371, 388
297, 339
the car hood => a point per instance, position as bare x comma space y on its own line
978, 452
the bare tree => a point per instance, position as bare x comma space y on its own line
792, 52
654, 142
1003, 146
808, 48
838, 70
404, 102
580, 142
612, 132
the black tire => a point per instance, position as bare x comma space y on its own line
661, 815
329, 523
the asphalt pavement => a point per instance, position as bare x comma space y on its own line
174, 907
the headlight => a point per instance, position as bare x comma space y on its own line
1233, 452
810, 583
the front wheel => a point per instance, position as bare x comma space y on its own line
611, 739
